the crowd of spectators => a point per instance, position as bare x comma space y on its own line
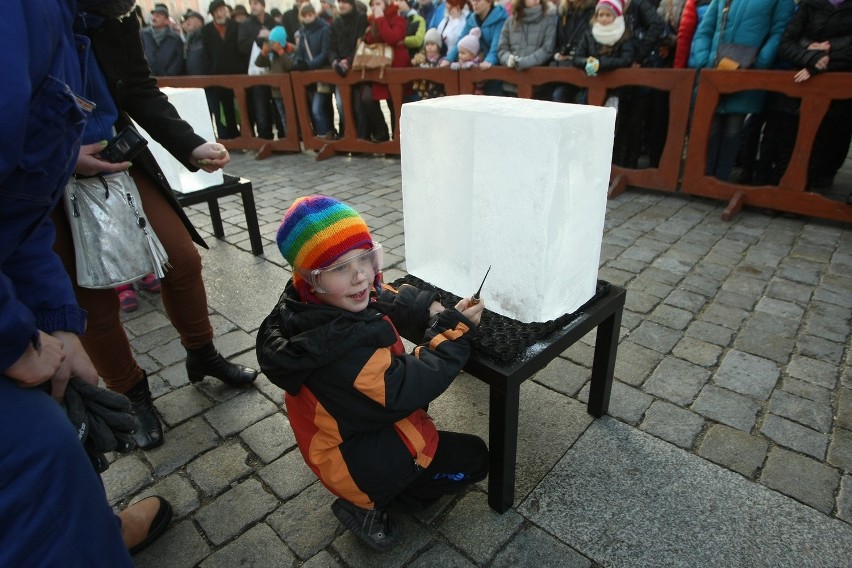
752, 135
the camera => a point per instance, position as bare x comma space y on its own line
124, 147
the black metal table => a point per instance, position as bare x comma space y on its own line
505, 378
211, 195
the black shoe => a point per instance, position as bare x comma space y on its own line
206, 361
373, 526
134, 520
150, 432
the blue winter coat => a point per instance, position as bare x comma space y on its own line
316, 35
490, 39
758, 23
42, 126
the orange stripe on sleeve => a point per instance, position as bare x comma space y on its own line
371, 379
448, 335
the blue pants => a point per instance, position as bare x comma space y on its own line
53, 509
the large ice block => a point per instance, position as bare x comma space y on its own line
517, 184
191, 105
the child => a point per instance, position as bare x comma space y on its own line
277, 54
607, 44
428, 58
355, 400
470, 56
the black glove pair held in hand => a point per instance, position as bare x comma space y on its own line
103, 419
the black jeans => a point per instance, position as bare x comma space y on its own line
461, 459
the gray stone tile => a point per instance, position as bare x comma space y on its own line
672, 424
726, 316
634, 363
288, 475
270, 437
710, 332
657, 337
182, 444
844, 499
734, 449
806, 480
688, 301
218, 469
727, 407
669, 316
534, 547
178, 491
747, 374
623, 498
125, 476
626, 403
698, 352
781, 308
563, 376
182, 404
840, 450
844, 408
480, 540
677, 380
807, 390
795, 436
813, 371
181, 546
812, 414
640, 302
234, 511
258, 547
237, 414
764, 344
819, 348
321, 560
441, 555
306, 522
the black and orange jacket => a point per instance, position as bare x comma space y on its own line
356, 401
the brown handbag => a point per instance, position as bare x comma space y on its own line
372, 56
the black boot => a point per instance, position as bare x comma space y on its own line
206, 361
150, 433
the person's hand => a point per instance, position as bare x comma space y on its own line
485, 65
263, 33
558, 56
512, 61
76, 364
471, 311
820, 46
635, 65
37, 366
89, 162
445, 63
435, 308
378, 11
822, 63
344, 64
592, 66
210, 157
802, 76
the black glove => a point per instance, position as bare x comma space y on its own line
111, 418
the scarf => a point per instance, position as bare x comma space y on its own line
609, 35
159, 35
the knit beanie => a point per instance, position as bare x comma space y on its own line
470, 42
317, 230
279, 35
616, 6
433, 36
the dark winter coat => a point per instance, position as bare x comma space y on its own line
221, 55
315, 36
609, 57
165, 58
819, 21
640, 17
194, 54
354, 398
122, 61
571, 25
248, 34
346, 29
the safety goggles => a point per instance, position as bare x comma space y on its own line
338, 277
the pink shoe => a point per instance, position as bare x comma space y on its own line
150, 283
127, 300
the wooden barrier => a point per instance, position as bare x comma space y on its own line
790, 194
240, 85
396, 81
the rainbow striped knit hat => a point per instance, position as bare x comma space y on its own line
317, 230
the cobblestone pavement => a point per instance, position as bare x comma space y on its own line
734, 347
